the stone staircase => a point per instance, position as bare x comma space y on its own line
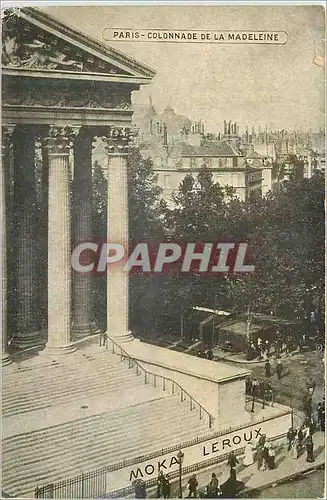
28, 389
138, 419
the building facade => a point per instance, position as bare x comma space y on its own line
60, 90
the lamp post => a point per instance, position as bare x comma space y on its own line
180, 457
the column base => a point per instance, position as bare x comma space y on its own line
27, 340
81, 331
6, 359
52, 351
121, 339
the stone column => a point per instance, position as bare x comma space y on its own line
27, 329
6, 136
117, 146
83, 320
59, 142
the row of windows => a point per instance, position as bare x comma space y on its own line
210, 162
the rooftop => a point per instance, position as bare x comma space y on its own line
208, 148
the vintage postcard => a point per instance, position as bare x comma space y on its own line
163, 253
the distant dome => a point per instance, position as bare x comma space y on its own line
173, 121
169, 109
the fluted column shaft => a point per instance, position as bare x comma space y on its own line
117, 233
6, 134
83, 320
27, 330
59, 243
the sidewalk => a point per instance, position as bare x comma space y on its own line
220, 355
286, 468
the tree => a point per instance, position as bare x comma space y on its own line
144, 226
286, 235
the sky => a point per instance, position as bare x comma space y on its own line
277, 85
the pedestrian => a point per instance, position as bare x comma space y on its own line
140, 488
160, 484
307, 405
295, 448
232, 460
213, 486
255, 387
248, 385
101, 338
262, 440
290, 437
271, 458
309, 447
259, 457
265, 456
210, 354
248, 456
166, 487
259, 347
192, 486
261, 389
321, 416
268, 368
279, 369
300, 437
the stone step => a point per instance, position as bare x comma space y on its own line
102, 453
110, 424
82, 426
77, 386
148, 420
42, 398
83, 458
60, 372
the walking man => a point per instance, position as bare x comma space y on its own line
279, 369
160, 484
309, 447
321, 416
166, 487
213, 486
192, 486
290, 436
268, 368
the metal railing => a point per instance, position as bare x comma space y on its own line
93, 484
166, 383
185, 470
89, 485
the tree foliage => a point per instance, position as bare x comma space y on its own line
284, 230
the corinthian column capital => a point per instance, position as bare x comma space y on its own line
120, 140
60, 139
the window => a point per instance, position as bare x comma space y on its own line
234, 161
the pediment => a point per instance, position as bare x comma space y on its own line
34, 41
